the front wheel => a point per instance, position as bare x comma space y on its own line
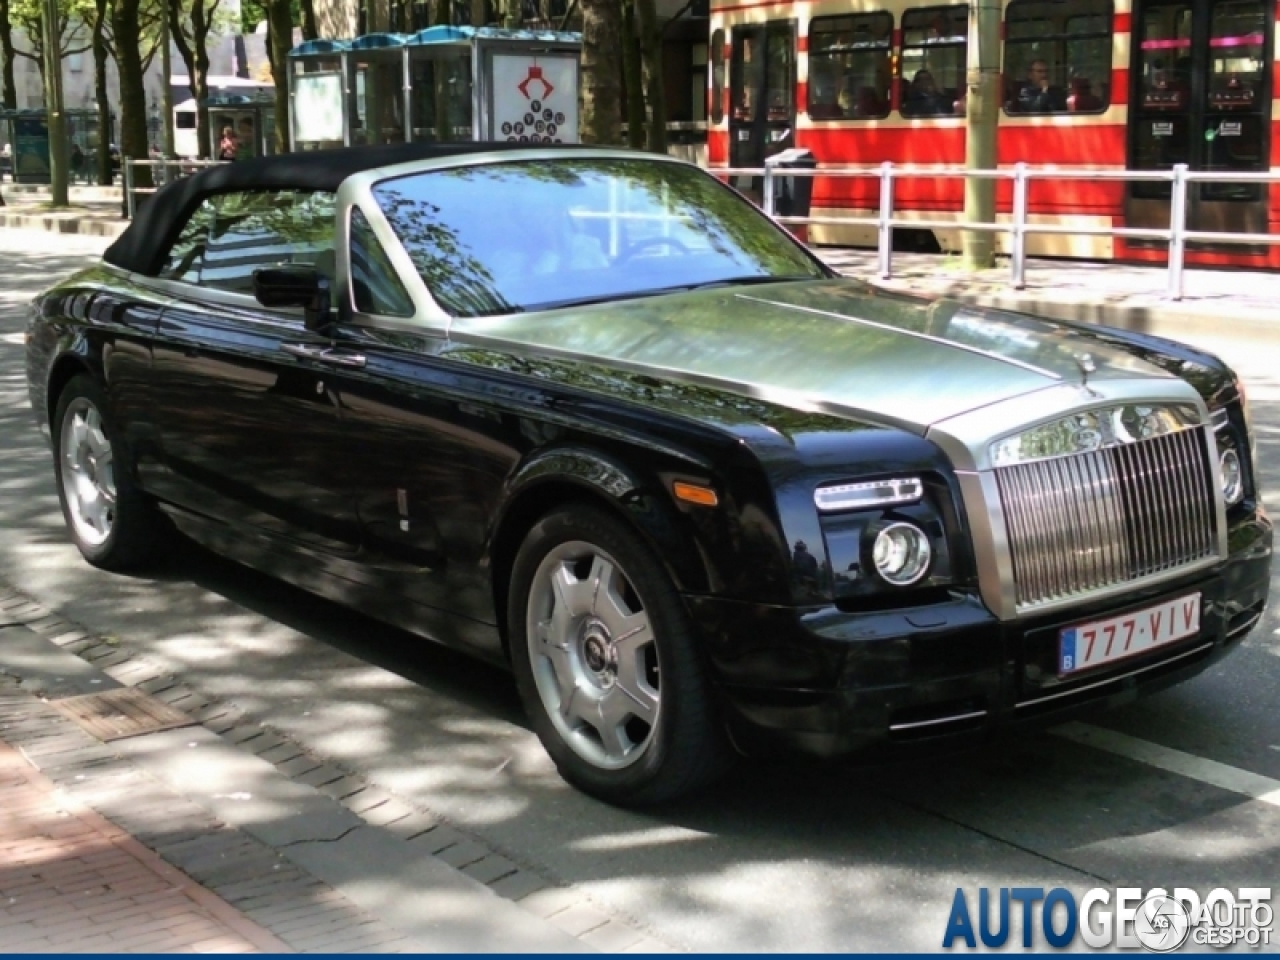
114, 524
607, 665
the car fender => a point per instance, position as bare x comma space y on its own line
564, 474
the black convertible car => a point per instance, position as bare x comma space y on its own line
590, 414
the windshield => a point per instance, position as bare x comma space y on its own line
503, 238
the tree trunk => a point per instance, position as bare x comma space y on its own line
310, 28
201, 22
127, 34
632, 77
650, 37
279, 41
100, 92
8, 84
599, 119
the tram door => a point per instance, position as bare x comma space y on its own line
1201, 95
762, 91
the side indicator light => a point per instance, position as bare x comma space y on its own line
692, 493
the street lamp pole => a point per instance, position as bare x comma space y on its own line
54, 115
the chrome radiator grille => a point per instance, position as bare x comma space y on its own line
1091, 520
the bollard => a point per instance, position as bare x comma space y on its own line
884, 226
1177, 230
1018, 259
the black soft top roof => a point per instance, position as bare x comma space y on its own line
141, 248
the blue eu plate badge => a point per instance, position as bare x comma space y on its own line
1067, 651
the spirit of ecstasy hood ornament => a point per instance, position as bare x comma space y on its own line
1085, 362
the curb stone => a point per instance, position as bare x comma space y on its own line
496, 868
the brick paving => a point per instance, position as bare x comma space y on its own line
70, 881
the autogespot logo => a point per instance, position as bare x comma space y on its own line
1126, 918
1162, 923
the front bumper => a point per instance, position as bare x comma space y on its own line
828, 682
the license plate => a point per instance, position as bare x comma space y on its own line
1089, 645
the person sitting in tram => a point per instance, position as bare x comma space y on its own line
1037, 94
924, 99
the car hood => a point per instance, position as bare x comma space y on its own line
834, 345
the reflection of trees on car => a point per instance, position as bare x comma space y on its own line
492, 239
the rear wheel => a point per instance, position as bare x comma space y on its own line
114, 524
607, 663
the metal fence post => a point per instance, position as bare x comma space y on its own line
128, 187
1177, 230
766, 199
1018, 260
884, 227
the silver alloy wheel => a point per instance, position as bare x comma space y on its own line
594, 659
88, 478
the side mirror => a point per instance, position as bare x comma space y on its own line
304, 288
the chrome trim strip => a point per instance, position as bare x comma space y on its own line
1118, 677
888, 328
1236, 631
895, 727
428, 316
990, 539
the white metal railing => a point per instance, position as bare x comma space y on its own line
1177, 235
165, 171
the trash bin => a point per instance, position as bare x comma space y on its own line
793, 196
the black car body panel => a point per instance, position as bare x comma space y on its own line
401, 481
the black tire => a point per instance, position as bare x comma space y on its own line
686, 747
137, 530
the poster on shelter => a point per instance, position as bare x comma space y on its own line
317, 108
535, 98
30, 149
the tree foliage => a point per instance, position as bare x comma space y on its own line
72, 17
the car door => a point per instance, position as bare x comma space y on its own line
247, 416
427, 461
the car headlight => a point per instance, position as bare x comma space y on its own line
901, 554
1232, 473
1230, 445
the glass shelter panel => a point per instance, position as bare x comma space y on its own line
441, 98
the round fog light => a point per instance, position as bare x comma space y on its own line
1232, 476
901, 554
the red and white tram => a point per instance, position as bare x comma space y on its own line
1088, 84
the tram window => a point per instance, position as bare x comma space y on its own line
1235, 52
1165, 81
934, 46
717, 77
1057, 56
849, 66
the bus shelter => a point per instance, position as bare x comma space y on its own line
440, 84
249, 119
28, 136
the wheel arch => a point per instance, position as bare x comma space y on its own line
563, 477
64, 369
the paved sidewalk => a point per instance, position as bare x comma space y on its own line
1125, 295
70, 881
93, 218
311, 853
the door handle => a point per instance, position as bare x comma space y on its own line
328, 355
